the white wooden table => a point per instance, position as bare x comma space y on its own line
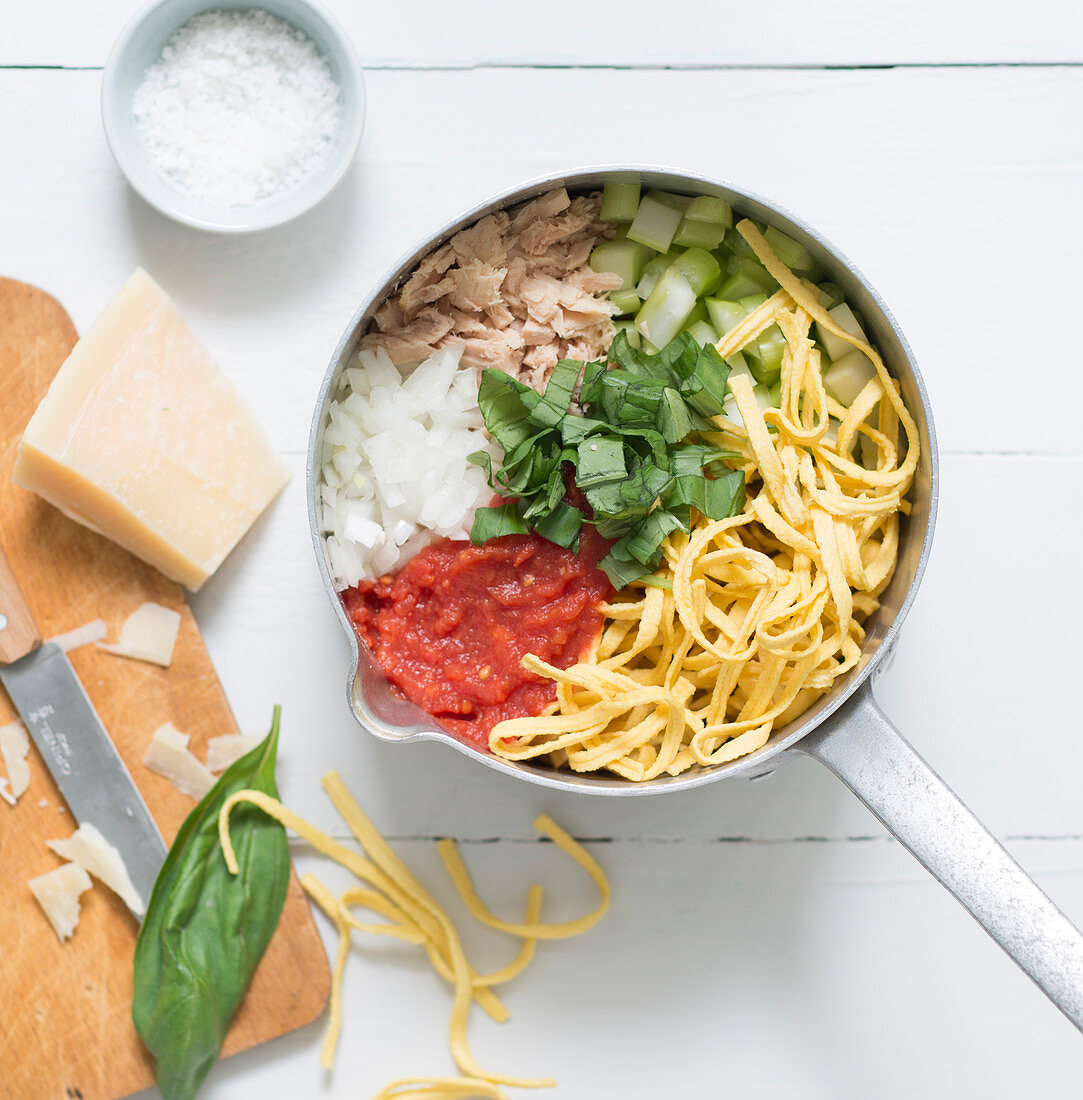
766, 939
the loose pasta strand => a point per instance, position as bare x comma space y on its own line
414, 916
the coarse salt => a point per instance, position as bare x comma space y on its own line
239, 107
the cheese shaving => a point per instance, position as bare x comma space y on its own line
759, 615
413, 915
229, 748
91, 851
5, 792
168, 756
14, 747
148, 634
58, 893
94, 631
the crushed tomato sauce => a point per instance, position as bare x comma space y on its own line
450, 628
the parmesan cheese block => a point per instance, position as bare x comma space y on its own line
58, 894
144, 440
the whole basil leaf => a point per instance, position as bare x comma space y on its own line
205, 929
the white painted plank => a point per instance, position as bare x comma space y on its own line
783, 972
955, 191
984, 684
564, 32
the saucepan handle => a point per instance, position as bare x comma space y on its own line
870, 756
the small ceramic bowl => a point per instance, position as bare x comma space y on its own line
140, 45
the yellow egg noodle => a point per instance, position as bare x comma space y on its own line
750, 619
413, 915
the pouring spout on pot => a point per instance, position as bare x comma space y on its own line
861, 746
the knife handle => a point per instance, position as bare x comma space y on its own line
19, 633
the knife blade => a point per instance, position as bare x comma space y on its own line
72, 741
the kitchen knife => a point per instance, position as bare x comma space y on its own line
72, 741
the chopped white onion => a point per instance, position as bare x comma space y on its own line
394, 465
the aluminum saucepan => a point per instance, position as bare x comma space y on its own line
845, 731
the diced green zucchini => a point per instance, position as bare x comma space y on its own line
869, 452
742, 265
620, 201
668, 198
709, 209
738, 245
627, 301
775, 393
725, 316
763, 399
702, 333
738, 286
652, 272
667, 308
847, 377
654, 224
701, 270
624, 258
627, 326
699, 313
739, 366
751, 302
700, 234
765, 355
794, 255
830, 295
835, 346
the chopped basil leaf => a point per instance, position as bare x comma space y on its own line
630, 443
562, 525
620, 573
490, 523
551, 410
657, 582
505, 405
601, 459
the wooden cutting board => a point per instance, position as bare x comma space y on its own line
65, 1017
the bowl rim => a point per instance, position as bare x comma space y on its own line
755, 764
127, 159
